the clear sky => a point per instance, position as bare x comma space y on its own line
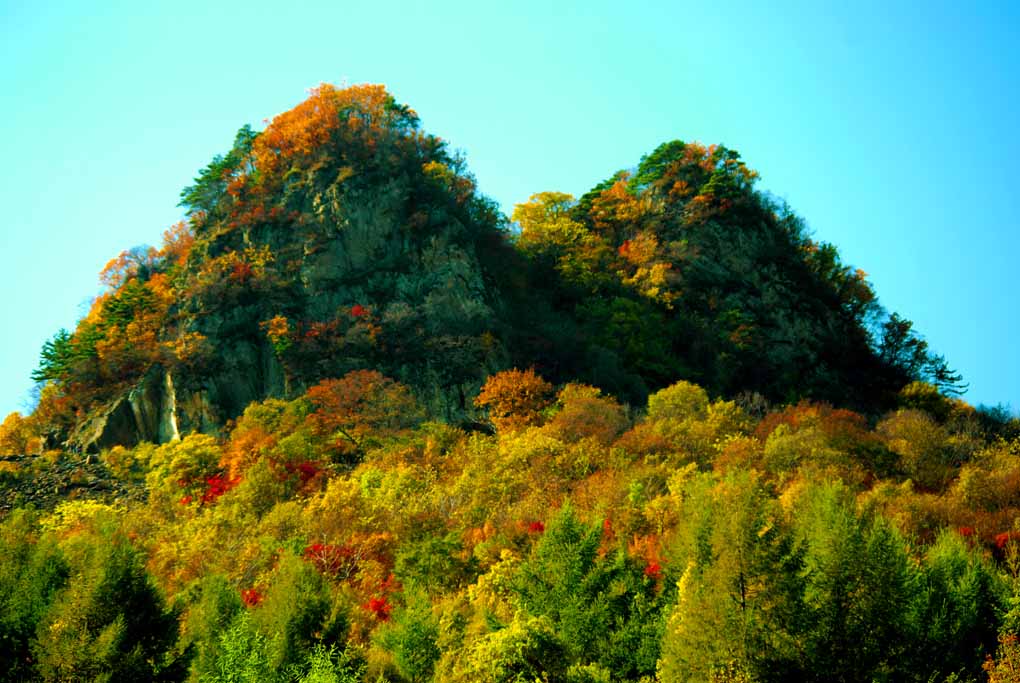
892, 128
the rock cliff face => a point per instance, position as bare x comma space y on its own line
148, 412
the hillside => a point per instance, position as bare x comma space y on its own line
350, 423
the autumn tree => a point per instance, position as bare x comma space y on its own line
925, 448
584, 412
137, 263
258, 433
546, 225
515, 398
552, 238
1005, 666
740, 603
361, 406
184, 471
526, 649
16, 435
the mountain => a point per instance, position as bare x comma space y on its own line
345, 237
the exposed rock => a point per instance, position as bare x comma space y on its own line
44, 482
148, 412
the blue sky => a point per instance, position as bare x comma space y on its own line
892, 130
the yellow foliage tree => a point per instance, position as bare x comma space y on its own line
16, 436
584, 413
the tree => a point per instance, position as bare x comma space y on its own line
56, 358
136, 263
17, 436
32, 572
859, 579
1005, 667
110, 622
945, 379
740, 600
545, 213
584, 413
210, 187
955, 613
604, 608
360, 406
515, 398
679, 401
526, 649
411, 637
295, 613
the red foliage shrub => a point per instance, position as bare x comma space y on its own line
653, 570
251, 597
216, 486
1003, 539
306, 471
241, 272
380, 607
536, 527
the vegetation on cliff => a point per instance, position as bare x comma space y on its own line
349, 423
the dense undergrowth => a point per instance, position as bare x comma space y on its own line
323, 540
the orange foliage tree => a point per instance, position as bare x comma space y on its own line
177, 242
293, 137
515, 398
615, 210
361, 405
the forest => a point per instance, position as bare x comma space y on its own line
349, 423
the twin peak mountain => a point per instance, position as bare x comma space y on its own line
344, 237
